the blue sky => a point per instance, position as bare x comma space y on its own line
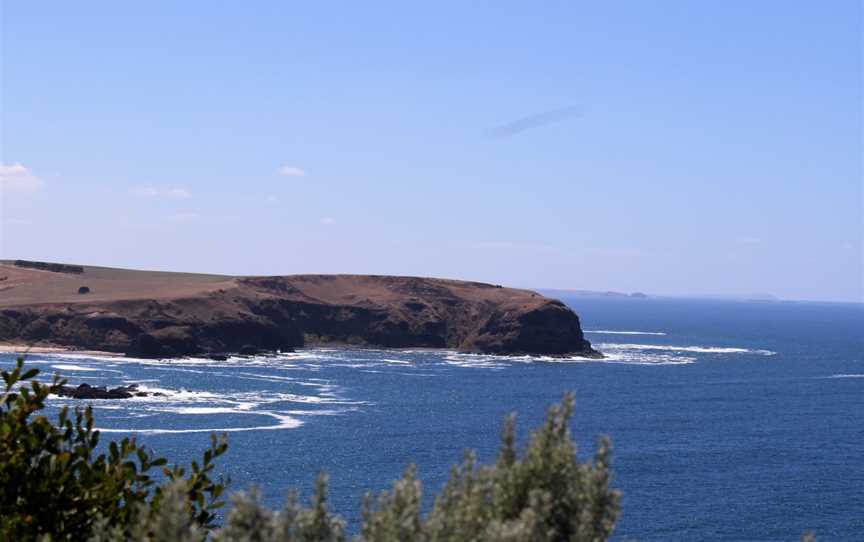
697, 148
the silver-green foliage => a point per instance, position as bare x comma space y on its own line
169, 522
544, 495
249, 521
57, 484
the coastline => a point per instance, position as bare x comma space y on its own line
150, 314
24, 349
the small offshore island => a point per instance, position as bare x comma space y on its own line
158, 314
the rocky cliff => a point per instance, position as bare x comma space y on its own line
154, 314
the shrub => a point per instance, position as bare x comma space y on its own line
544, 495
54, 486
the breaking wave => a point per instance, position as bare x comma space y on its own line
694, 349
188, 404
282, 400
284, 422
610, 332
66, 367
479, 361
287, 390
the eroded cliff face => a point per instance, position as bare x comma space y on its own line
138, 314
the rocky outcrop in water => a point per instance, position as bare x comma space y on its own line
86, 391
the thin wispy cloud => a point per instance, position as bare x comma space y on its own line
618, 252
16, 178
509, 246
198, 218
291, 171
749, 240
164, 192
188, 216
328, 221
533, 121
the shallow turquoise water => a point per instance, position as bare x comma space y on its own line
730, 420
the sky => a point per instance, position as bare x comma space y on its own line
671, 148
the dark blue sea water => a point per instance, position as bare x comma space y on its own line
730, 420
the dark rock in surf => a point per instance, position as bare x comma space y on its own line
86, 391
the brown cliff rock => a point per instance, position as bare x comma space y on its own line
157, 314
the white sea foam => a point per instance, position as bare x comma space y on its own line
635, 357
611, 332
621, 358
112, 358
474, 361
352, 365
65, 367
397, 361
632, 354
319, 412
161, 394
203, 410
695, 349
243, 401
272, 378
196, 403
320, 396
617, 357
284, 422
72, 366
314, 399
847, 376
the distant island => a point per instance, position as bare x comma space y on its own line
755, 297
163, 314
592, 293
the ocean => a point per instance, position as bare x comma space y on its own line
729, 420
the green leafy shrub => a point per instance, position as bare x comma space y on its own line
54, 486
543, 495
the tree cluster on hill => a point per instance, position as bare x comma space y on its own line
49, 266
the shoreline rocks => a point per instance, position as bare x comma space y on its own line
86, 391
